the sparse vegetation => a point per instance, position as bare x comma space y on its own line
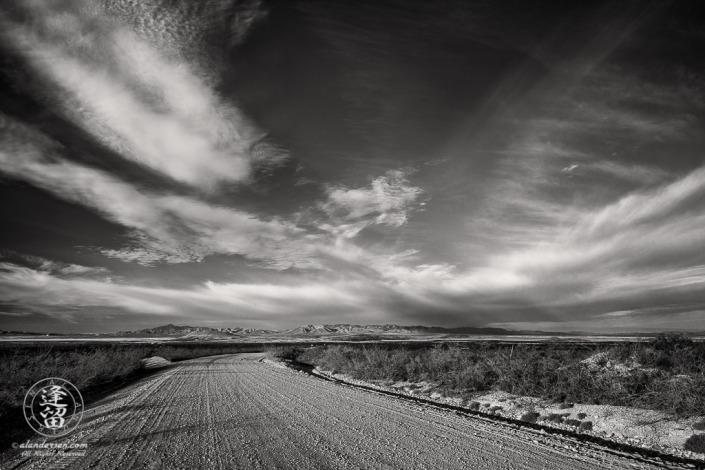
86, 368
667, 374
585, 426
91, 368
530, 417
556, 417
573, 422
474, 405
285, 352
582, 415
696, 443
565, 406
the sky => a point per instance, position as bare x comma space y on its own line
268, 164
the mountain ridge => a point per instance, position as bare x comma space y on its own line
344, 330
321, 330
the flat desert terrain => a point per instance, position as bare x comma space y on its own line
238, 411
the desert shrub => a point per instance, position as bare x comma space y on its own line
699, 425
622, 352
671, 341
555, 417
285, 352
585, 426
565, 406
494, 409
474, 405
582, 415
548, 371
175, 352
573, 422
84, 368
530, 417
695, 443
89, 367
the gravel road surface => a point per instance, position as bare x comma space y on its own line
237, 412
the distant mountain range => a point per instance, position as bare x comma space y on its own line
193, 332
340, 331
201, 332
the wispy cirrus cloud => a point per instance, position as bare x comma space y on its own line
55, 268
170, 228
265, 305
640, 175
149, 108
634, 254
165, 227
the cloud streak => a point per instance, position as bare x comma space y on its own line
388, 200
167, 228
632, 254
265, 305
627, 255
153, 110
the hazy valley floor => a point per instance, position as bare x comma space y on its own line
233, 411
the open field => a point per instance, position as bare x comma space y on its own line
238, 412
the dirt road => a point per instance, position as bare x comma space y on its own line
227, 412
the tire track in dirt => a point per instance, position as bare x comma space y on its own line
233, 411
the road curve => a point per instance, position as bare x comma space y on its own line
236, 412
